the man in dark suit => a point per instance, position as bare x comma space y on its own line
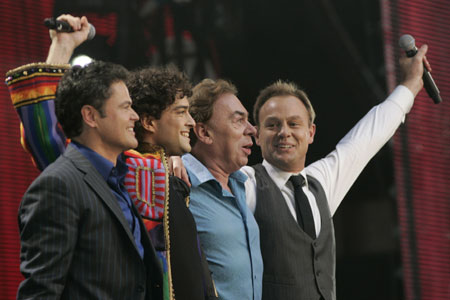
293, 203
81, 236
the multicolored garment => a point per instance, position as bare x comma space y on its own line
32, 88
146, 182
41, 134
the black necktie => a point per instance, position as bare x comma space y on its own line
302, 207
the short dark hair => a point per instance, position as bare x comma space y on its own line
89, 85
282, 88
153, 89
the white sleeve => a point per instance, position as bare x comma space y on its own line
250, 187
338, 170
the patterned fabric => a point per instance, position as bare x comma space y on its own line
87, 250
34, 82
32, 88
41, 135
163, 260
146, 183
147, 180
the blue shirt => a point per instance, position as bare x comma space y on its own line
228, 232
114, 177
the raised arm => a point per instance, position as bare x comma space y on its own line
32, 88
338, 170
64, 43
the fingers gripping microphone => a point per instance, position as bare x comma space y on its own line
407, 43
63, 26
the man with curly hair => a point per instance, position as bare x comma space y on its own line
81, 236
160, 98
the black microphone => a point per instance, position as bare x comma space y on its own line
63, 26
407, 43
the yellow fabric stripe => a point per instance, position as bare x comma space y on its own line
33, 95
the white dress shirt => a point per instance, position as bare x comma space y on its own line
338, 170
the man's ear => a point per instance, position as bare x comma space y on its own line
90, 115
149, 123
257, 135
203, 133
312, 132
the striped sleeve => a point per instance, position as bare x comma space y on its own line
32, 89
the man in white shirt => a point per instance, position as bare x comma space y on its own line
295, 218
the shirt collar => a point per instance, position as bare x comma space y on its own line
281, 177
101, 164
199, 174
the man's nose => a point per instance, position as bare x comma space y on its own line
250, 130
284, 130
190, 121
134, 115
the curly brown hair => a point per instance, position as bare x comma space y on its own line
153, 89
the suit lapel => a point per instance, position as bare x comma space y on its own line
98, 185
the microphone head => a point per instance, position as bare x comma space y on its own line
407, 42
50, 23
91, 33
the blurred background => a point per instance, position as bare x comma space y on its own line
393, 228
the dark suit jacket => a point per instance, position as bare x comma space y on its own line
75, 241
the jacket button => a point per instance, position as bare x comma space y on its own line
318, 273
140, 289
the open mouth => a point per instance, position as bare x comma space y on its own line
248, 149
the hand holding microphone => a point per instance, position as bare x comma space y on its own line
67, 33
64, 26
407, 43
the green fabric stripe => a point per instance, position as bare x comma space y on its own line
43, 133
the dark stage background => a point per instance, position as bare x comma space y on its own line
392, 230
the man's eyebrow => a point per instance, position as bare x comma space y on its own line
126, 102
180, 107
294, 117
270, 118
239, 113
